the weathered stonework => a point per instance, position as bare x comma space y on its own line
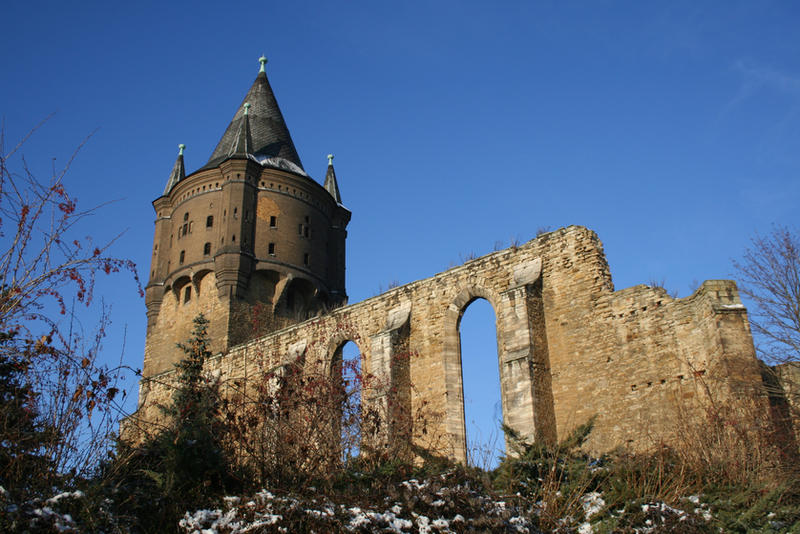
569, 346
258, 247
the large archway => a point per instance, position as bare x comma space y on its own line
480, 372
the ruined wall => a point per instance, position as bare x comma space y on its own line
569, 346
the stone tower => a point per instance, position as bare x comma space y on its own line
249, 239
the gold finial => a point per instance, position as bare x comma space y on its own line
246, 108
330, 160
263, 61
180, 149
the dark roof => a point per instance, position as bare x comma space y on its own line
178, 173
269, 136
330, 183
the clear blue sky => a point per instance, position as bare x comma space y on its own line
672, 129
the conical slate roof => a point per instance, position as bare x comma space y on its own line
269, 136
330, 181
178, 171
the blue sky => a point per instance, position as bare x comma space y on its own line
671, 129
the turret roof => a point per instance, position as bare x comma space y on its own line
330, 181
269, 137
178, 171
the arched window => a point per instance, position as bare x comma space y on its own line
209, 221
483, 411
206, 249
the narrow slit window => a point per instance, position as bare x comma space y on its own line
209, 221
273, 221
182, 257
271, 249
206, 249
305, 259
187, 294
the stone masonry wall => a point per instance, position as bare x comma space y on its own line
569, 346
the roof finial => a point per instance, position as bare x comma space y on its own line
246, 108
180, 149
263, 61
330, 160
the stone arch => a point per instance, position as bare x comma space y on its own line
197, 278
177, 286
454, 385
349, 395
297, 299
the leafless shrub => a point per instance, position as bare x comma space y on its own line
45, 273
662, 284
304, 422
469, 256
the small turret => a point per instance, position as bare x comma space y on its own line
178, 171
330, 181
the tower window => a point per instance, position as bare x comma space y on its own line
305, 259
300, 229
187, 294
306, 231
206, 249
273, 221
186, 216
233, 238
234, 212
182, 257
190, 226
271, 249
209, 221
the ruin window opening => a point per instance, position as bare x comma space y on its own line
347, 368
187, 294
480, 373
